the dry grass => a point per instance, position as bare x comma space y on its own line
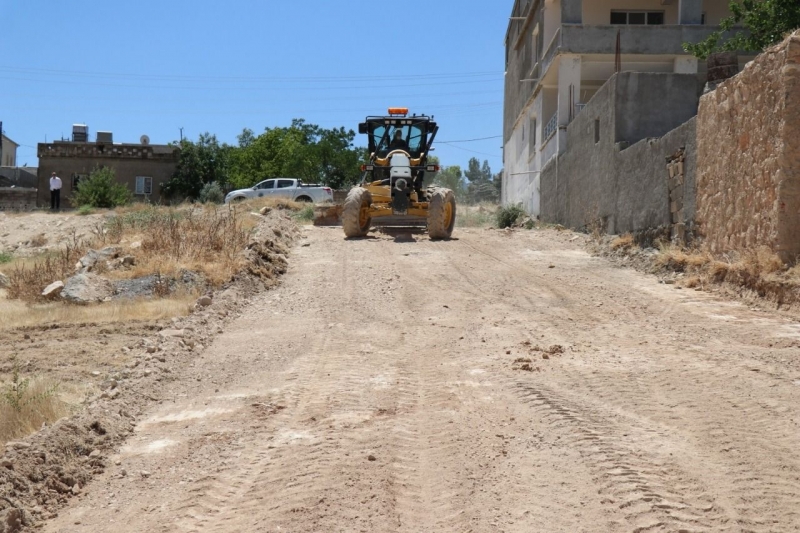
29, 276
476, 216
210, 240
623, 242
255, 204
757, 270
26, 404
14, 313
39, 240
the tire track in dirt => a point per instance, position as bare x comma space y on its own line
651, 493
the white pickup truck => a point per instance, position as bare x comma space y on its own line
285, 188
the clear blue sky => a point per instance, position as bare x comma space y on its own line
152, 67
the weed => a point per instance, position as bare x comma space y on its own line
306, 214
39, 240
211, 193
5, 257
507, 216
26, 404
85, 210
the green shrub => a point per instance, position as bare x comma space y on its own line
85, 210
507, 215
101, 189
306, 214
5, 257
211, 192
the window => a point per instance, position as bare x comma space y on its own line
144, 185
76, 179
597, 131
650, 18
703, 19
532, 138
269, 184
285, 184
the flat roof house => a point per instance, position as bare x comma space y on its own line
142, 167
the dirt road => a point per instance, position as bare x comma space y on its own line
377, 390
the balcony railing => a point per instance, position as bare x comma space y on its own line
551, 128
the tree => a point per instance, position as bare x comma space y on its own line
451, 178
481, 186
763, 22
101, 189
303, 151
203, 162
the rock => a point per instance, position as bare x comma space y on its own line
4, 281
145, 473
134, 245
204, 301
128, 261
174, 333
92, 257
10, 521
87, 288
264, 210
53, 290
151, 349
95, 453
76, 489
7, 463
18, 445
371, 458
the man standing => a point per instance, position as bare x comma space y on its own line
55, 192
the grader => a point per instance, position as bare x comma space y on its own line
391, 191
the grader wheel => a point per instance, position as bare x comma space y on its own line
355, 214
441, 214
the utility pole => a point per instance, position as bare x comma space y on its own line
181, 134
1, 143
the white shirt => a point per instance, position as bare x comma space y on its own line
55, 183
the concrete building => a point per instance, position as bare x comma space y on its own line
8, 157
559, 53
143, 168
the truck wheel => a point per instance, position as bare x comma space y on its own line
441, 213
355, 213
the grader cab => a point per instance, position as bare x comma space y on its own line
392, 189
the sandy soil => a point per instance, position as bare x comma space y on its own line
497, 382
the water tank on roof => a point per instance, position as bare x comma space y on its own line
80, 133
105, 137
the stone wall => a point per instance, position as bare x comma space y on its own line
17, 199
748, 170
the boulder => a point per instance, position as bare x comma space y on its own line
92, 257
87, 288
204, 301
4, 281
53, 290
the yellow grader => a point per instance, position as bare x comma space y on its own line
391, 190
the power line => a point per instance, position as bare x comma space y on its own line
470, 140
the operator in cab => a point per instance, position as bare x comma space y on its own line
398, 143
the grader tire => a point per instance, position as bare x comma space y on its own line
441, 214
354, 218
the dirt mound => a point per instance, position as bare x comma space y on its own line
39, 474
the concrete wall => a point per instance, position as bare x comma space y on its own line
599, 11
598, 178
128, 161
19, 177
748, 182
17, 199
9, 157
